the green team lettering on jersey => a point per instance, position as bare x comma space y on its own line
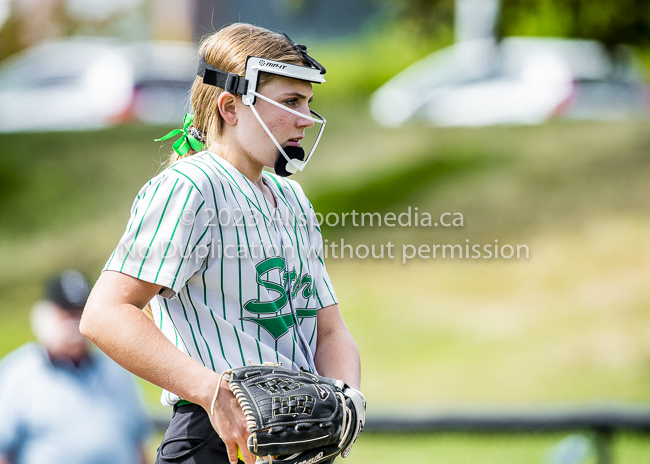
279, 324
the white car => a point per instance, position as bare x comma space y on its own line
517, 81
73, 84
163, 75
87, 83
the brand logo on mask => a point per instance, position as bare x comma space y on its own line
270, 64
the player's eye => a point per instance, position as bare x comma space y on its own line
291, 102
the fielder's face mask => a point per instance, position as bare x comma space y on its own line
291, 159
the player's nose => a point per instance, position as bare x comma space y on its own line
305, 122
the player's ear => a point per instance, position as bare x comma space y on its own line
228, 108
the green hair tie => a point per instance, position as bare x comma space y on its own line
187, 141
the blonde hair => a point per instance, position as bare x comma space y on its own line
227, 50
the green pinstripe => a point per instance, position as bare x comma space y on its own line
187, 244
205, 296
198, 350
243, 362
178, 335
239, 263
198, 325
157, 228
196, 307
309, 269
137, 232
162, 261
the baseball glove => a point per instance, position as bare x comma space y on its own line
297, 417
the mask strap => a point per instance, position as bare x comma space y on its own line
302, 49
230, 82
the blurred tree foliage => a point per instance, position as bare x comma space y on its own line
10, 42
27, 25
428, 16
35, 21
609, 21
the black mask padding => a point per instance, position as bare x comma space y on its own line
294, 153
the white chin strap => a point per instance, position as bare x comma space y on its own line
293, 165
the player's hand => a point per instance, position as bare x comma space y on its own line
230, 423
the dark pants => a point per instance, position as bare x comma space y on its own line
191, 439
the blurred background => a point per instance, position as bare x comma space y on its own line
528, 117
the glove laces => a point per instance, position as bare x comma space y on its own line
347, 420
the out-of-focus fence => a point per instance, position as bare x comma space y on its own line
604, 421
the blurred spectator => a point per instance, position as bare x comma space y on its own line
62, 402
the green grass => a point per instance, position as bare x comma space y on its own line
570, 324
486, 448
566, 324
483, 449
56, 181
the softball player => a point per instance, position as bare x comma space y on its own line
227, 255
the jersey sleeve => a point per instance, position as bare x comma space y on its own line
168, 235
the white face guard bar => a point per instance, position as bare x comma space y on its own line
247, 88
293, 165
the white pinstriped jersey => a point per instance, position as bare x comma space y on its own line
228, 259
